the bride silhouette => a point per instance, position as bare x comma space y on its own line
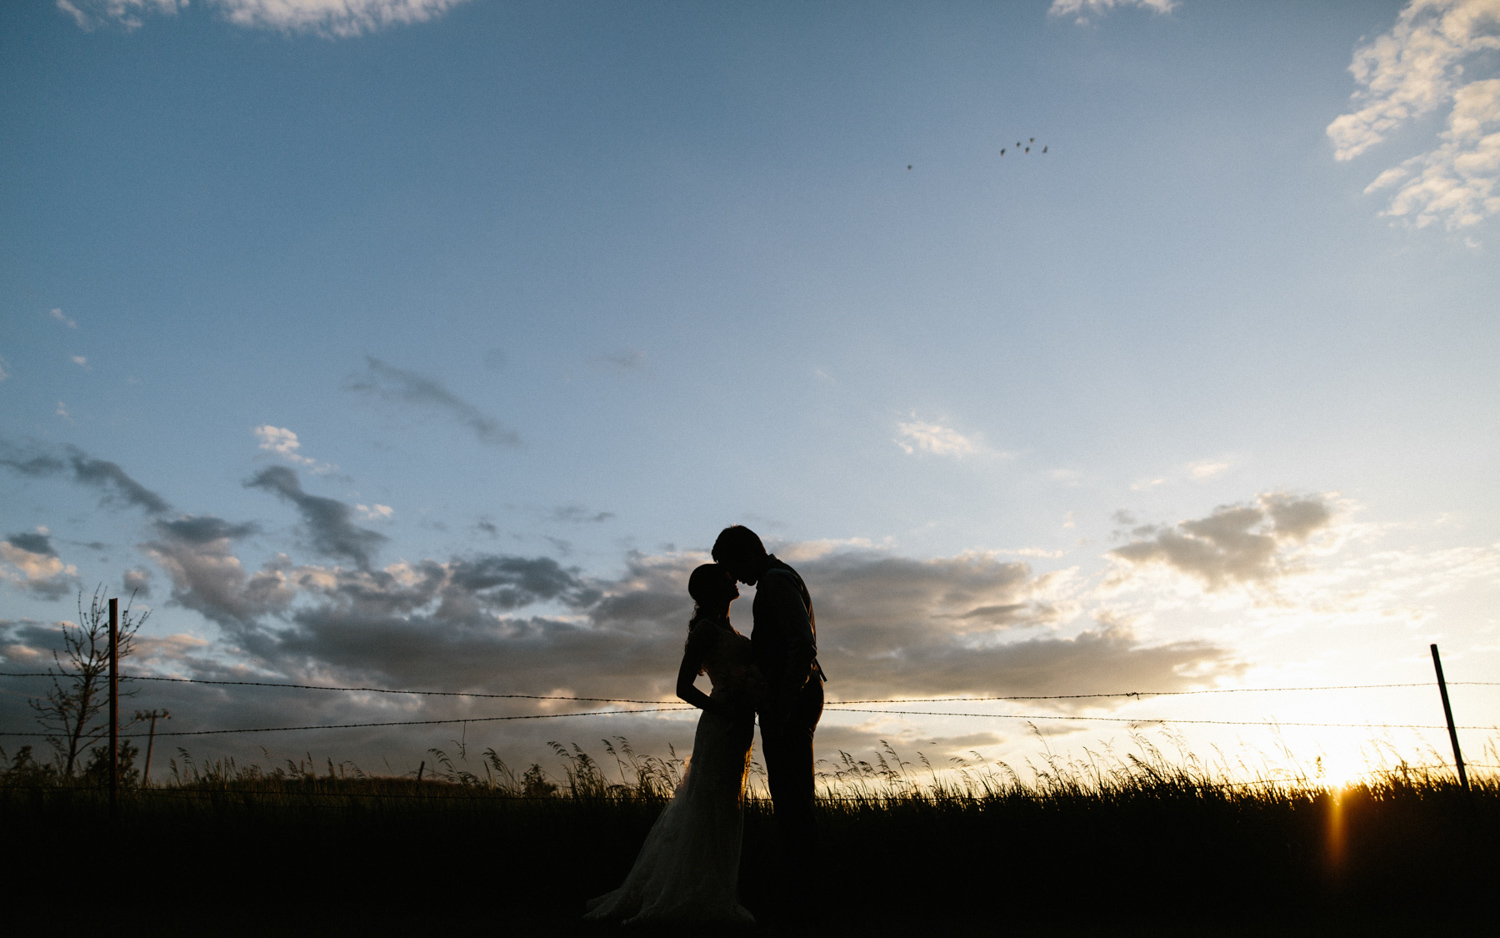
688, 868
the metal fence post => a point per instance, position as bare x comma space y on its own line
1458, 756
114, 704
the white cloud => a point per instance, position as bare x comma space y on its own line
124, 13
37, 570
376, 512
79, 360
915, 435
3, 373
1251, 545
62, 411
282, 442
388, 383
1081, 10
320, 17
173, 649
1198, 471
1424, 63
58, 315
1207, 469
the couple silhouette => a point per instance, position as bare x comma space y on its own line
688, 869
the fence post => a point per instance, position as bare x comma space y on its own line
1458, 757
114, 704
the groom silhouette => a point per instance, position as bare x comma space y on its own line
784, 643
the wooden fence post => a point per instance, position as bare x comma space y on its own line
1458, 757
114, 704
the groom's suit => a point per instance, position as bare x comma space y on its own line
784, 643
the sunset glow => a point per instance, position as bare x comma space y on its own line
427, 346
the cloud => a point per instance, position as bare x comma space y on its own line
1207, 469
36, 543
98, 473
62, 411
915, 435
577, 514
211, 581
628, 360
327, 520
1428, 61
101, 473
1235, 544
329, 18
376, 512
80, 361
29, 641
892, 626
35, 567
501, 623
343, 18
3, 365
137, 582
173, 649
282, 442
58, 315
1083, 9
196, 552
394, 384
887, 625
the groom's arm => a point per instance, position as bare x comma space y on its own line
801, 642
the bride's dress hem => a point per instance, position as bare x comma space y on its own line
687, 871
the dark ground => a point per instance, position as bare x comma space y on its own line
1175, 863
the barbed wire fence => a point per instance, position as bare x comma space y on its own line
870, 706
844, 706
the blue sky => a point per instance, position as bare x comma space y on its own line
464, 327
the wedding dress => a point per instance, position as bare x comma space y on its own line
688, 868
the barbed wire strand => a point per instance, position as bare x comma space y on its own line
346, 726
629, 700
1043, 718
1030, 717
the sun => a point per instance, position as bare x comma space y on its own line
1336, 770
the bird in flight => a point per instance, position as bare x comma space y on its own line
908, 167
1044, 149
1002, 151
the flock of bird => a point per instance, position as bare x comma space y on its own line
1028, 145
1023, 147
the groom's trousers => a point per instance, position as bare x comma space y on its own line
788, 751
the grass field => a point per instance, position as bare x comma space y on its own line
1145, 847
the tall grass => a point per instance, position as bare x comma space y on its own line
1148, 841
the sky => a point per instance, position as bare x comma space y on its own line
1070, 348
